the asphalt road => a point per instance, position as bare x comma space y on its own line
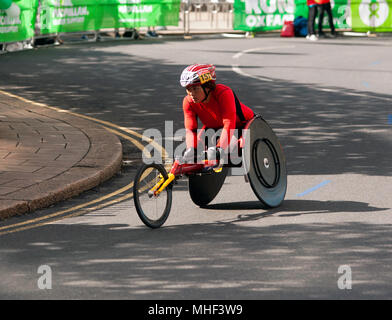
329, 103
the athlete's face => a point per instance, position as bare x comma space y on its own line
196, 93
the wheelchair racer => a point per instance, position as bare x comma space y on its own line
217, 107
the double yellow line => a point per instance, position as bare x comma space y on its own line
85, 207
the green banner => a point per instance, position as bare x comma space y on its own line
85, 15
371, 15
264, 15
17, 19
149, 13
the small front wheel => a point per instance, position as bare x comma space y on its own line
153, 209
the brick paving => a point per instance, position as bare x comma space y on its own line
47, 156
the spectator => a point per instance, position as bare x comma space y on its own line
312, 5
325, 5
151, 32
131, 33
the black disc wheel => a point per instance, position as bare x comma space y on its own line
204, 188
265, 163
152, 209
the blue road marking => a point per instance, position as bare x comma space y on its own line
390, 119
322, 184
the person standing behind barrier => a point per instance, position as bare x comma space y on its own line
312, 6
325, 5
151, 32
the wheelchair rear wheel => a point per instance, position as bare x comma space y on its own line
265, 163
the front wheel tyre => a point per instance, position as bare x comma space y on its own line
152, 210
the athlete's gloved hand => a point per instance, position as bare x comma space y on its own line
189, 156
215, 153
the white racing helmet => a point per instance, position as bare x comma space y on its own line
197, 74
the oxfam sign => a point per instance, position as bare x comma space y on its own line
262, 14
372, 15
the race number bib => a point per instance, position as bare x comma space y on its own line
205, 77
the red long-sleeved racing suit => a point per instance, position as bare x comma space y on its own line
219, 112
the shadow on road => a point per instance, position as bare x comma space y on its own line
300, 206
224, 260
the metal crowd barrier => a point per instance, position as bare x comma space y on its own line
206, 14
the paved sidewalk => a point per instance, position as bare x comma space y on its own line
47, 156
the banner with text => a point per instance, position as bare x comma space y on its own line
264, 15
17, 19
86, 15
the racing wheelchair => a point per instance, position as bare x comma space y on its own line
262, 161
